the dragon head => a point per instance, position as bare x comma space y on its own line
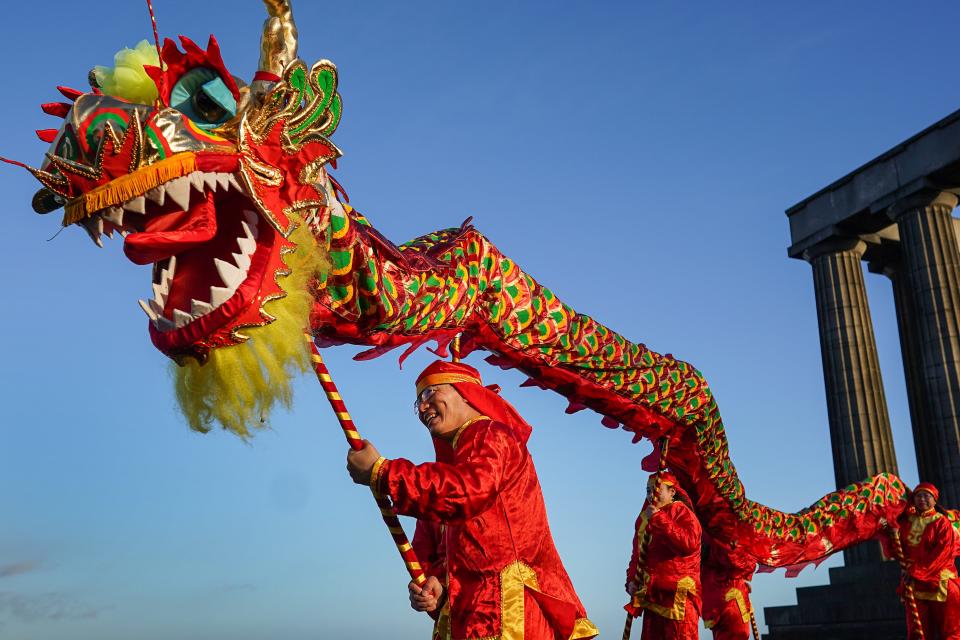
216, 184
207, 182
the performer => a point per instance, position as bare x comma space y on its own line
665, 582
725, 577
501, 575
930, 545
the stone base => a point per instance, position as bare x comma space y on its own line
860, 602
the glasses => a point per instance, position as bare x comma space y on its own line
425, 396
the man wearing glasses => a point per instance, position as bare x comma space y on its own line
492, 567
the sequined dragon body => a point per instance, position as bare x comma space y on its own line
220, 186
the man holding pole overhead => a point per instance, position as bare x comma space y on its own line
500, 575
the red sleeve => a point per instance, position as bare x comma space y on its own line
678, 527
457, 491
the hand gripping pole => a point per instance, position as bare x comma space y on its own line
356, 442
642, 550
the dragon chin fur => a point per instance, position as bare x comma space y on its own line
238, 386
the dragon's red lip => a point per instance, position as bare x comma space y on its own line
173, 233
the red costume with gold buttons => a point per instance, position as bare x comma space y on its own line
930, 545
668, 581
503, 576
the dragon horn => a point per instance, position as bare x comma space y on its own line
278, 46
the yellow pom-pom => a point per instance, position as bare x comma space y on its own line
127, 79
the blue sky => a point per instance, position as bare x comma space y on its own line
635, 157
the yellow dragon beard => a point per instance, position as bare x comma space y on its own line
239, 385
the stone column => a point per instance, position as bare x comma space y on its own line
931, 268
910, 350
856, 405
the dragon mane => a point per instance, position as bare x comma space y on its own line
238, 386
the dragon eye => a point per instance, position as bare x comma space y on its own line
202, 96
205, 106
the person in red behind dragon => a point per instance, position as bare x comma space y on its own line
500, 574
930, 545
663, 578
725, 578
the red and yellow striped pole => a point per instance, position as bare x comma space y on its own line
753, 624
642, 550
908, 594
356, 442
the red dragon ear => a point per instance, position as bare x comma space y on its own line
177, 63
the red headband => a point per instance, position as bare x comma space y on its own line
929, 488
466, 380
670, 480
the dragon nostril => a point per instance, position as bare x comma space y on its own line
45, 201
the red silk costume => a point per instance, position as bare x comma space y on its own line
726, 593
669, 578
495, 554
930, 545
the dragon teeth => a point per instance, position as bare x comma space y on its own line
148, 309
219, 295
164, 324
179, 190
223, 180
160, 292
247, 245
114, 215
94, 228
136, 205
157, 195
242, 260
197, 181
232, 275
181, 318
199, 308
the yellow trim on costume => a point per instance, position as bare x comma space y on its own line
685, 585
404, 547
128, 186
940, 595
444, 378
736, 594
375, 477
513, 578
583, 628
918, 524
456, 436
441, 628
